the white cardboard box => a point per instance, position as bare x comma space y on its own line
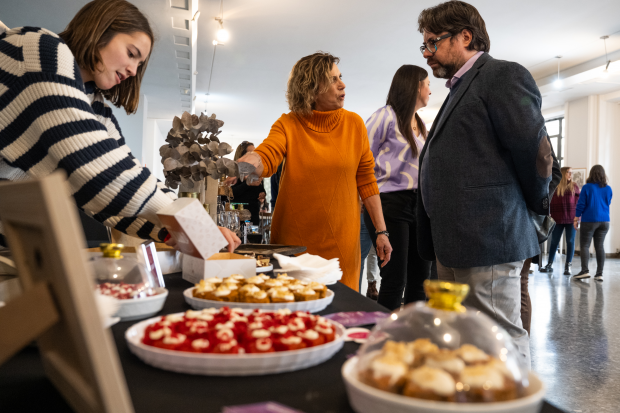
194, 230
220, 265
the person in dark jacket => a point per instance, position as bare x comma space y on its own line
486, 161
593, 213
243, 193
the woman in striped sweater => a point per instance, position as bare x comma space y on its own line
53, 115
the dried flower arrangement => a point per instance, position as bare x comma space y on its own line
190, 155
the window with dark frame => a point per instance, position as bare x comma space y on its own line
555, 129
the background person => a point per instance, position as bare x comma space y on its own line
252, 195
593, 213
485, 163
328, 167
563, 208
65, 123
397, 135
369, 255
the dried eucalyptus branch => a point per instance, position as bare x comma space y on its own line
194, 151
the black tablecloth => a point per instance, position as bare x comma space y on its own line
24, 387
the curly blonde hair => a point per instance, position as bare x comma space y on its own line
310, 77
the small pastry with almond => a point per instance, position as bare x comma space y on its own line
484, 383
386, 372
285, 279
204, 290
257, 281
259, 297
214, 280
224, 293
321, 289
472, 355
401, 350
306, 294
430, 383
421, 348
272, 282
447, 360
245, 290
280, 296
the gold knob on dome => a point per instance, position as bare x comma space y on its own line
445, 295
111, 250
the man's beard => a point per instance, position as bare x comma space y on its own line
444, 71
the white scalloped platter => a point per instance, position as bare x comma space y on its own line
135, 309
313, 306
367, 399
230, 364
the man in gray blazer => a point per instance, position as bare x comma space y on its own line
485, 162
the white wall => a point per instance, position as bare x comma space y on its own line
576, 143
152, 140
592, 137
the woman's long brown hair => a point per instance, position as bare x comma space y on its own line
402, 97
597, 176
92, 28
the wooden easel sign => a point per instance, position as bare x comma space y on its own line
57, 307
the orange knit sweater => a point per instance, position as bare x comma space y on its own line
328, 163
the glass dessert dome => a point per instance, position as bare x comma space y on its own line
115, 271
442, 351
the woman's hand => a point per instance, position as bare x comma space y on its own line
231, 180
384, 249
576, 223
261, 197
231, 237
255, 160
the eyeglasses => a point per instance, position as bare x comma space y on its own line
431, 45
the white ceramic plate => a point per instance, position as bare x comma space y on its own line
230, 364
142, 307
367, 399
264, 269
313, 306
110, 321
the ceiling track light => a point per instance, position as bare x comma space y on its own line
558, 82
605, 73
222, 34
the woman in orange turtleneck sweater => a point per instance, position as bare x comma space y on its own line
328, 163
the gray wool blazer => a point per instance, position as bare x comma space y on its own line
490, 160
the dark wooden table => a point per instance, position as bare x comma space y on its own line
320, 389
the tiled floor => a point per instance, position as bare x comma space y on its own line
575, 336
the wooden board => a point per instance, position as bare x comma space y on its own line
47, 244
270, 249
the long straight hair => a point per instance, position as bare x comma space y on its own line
564, 184
402, 97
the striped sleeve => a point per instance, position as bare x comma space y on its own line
47, 123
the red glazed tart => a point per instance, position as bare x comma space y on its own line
230, 331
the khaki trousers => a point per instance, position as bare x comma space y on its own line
496, 291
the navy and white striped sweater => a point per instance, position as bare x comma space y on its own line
49, 120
